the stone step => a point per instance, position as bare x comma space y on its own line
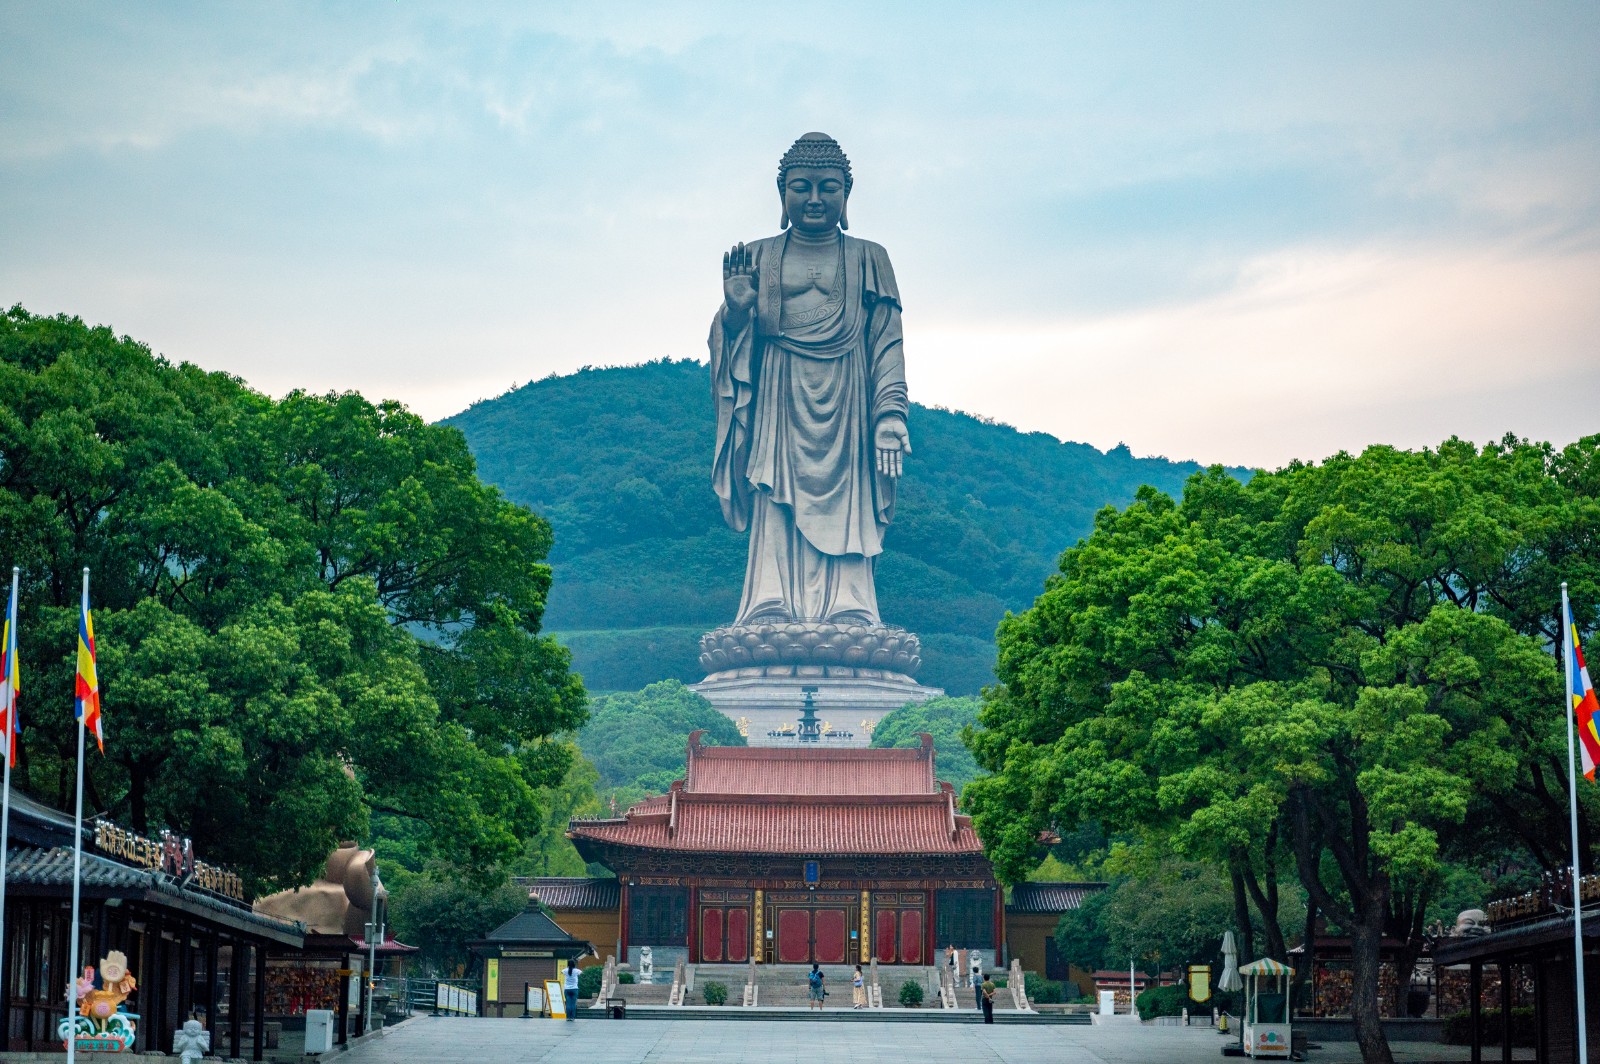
835, 1015
651, 994
836, 975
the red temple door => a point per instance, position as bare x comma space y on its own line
794, 936
911, 936
738, 925
829, 936
883, 939
711, 935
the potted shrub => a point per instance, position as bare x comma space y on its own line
715, 993
910, 994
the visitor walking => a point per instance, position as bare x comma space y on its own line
814, 980
858, 990
572, 989
988, 988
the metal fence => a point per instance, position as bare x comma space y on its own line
441, 997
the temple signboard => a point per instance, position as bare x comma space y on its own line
170, 854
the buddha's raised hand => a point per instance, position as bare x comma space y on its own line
892, 443
739, 279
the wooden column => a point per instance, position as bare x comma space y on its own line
864, 954
997, 955
1475, 1010
102, 934
694, 925
213, 950
235, 996
1541, 1012
1505, 1012
185, 972
758, 938
260, 959
622, 920
153, 983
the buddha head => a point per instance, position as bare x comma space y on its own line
814, 183
1472, 923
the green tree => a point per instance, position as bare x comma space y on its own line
1163, 912
1082, 937
439, 911
943, 718
549, 851
1350, 659
307, 610
639, 740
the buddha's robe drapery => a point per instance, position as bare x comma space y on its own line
798, 398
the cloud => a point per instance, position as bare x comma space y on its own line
1309, 353
430, 202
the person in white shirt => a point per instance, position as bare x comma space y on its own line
572, 989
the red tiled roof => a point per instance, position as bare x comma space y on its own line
839, 773
786, 800
919, 826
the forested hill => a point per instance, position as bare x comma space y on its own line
619, 461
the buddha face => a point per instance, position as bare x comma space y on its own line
814, 198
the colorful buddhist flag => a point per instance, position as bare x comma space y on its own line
1584, 705
88, 679
10, 683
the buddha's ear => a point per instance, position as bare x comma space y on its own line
844, 213
783, 223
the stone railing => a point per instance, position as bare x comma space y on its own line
752, 991
608, 983
680, 984
1018, 985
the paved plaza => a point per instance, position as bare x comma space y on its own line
425, 1040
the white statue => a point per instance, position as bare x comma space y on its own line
192, 1041
1472, 923
647, 965
975, 967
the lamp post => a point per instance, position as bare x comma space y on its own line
375, 931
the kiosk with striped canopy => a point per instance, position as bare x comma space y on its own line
1266, 1008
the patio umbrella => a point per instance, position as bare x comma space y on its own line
1230, 964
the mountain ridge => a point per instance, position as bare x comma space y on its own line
618, 460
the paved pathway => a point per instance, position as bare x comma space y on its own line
425, 1040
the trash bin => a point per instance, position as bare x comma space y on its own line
319, 1031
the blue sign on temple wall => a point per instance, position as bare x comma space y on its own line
813, 872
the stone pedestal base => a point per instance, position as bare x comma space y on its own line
767, 707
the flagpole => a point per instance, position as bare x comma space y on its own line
1567, 627
77, 870
12, 669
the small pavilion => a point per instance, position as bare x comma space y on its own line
524, 951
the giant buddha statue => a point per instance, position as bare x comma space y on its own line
808, 381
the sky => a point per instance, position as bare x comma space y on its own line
1233, 232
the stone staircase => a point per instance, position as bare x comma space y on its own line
785, 986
